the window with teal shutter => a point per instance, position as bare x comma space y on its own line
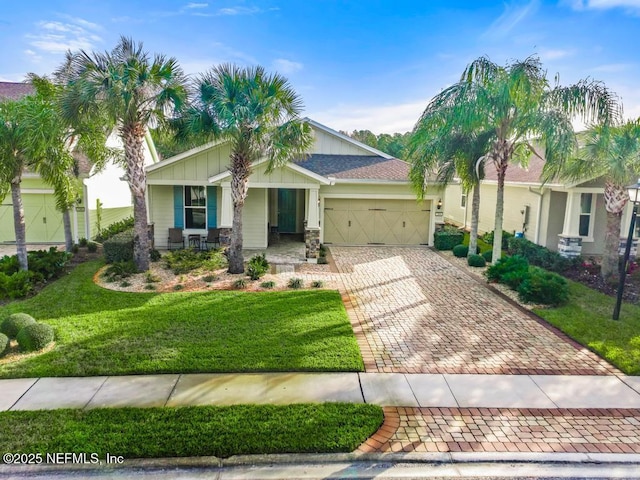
212, 220
178, 206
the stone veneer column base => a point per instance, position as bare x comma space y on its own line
633, 253
569, 246
225, 237
312, 244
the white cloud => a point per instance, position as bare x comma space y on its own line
603, 4
196, 5
613, 67
33, 56
286, 67
58, 37
377, 118
512, 16
555, 54
232, 11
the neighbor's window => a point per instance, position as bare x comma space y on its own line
463, 200
195, 207
586, 214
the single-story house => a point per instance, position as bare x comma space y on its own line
565, 217
344, 193
43, 221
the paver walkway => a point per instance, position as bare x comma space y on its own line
414, 312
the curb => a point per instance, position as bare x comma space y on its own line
573, 459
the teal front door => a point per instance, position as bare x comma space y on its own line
287, 210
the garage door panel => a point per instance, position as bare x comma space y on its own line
381, 221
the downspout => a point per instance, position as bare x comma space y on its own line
540, 194
151, 146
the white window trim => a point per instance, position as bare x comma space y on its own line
592, 216
185, 207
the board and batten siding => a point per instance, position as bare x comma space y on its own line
282, 175
254, 219
197, 168
331, 145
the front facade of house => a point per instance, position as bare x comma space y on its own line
569, 218
344, 193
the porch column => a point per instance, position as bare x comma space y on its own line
226, 214
569, 241
312, 228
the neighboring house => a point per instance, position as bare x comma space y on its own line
567, 217
344, 193
43, 221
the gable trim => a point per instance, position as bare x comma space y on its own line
346, 138
291, 165
183, 155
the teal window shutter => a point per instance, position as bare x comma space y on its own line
178, 206
212, 204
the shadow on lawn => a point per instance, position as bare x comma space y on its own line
198, 332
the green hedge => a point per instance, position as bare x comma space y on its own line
447, 239
114, 229
540, 256
119, 248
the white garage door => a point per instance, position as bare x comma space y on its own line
367, 221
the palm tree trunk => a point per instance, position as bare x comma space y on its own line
133, 137
239, 188
497, 228
18, 224
475, 214
610, 257
68, 236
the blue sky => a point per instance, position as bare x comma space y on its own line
357, 65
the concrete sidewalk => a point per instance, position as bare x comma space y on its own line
395, 390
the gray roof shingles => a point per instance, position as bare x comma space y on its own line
14, 91
357, 167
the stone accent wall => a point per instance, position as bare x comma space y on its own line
569, 246
633, 253
225, 237
312, 243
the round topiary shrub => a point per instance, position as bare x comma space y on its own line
35, 337
4, 344
460, 251
16, 322
488, 256
476, 261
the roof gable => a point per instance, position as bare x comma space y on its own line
14, 90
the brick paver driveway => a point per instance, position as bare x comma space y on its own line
414, 312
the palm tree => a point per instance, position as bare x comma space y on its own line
517, 103
258, 113
125, 89
613, 153
31, 139
449, 154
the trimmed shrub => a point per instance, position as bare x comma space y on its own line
155, 255
119, 248
460, 251
488, 256
506, 236
448, 238
317, 284
92, 247
83, 242
178, 287
187, 260
209, 278
125, 284
322, 261
35, 337
16, 322
544, 287
120, 270
476, 260
4, 344
257, 267
295, 283
506, 265
541, 256
113, 229
269, 284
515, 278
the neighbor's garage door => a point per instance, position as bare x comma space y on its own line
391, 222
43, 222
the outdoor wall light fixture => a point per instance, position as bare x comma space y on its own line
439, 206
634, 197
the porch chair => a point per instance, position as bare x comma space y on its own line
213, 238
175, 238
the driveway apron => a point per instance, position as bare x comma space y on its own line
414, 312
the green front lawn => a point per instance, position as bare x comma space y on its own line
103, 332
191, 431
587, 319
